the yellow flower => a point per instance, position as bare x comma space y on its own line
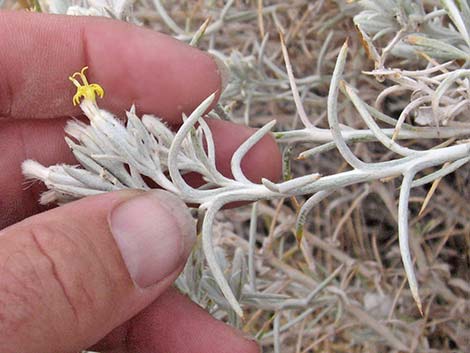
85, 90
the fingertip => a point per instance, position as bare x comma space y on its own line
154, 233
174, 324
223, 72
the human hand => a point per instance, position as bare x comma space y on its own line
98, 272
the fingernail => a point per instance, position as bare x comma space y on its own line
224, 71
154, 233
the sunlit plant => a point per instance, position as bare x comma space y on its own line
114, 155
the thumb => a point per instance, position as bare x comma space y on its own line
70, 275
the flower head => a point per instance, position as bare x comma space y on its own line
85, 90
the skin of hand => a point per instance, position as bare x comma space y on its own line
97, 273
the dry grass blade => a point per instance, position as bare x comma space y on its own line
431, 192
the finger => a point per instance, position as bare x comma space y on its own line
73, 274
38, 52
174, 324
43, 141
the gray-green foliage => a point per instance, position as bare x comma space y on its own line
417, 30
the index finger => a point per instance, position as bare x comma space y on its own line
135, 66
